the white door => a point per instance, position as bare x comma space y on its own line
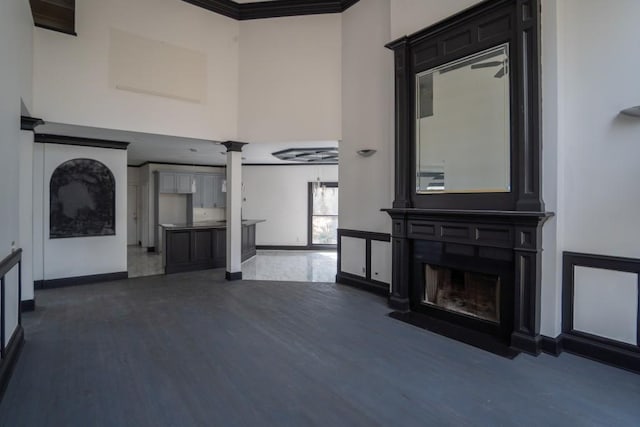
132, 215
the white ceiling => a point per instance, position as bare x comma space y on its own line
146, 147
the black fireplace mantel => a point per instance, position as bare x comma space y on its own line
500, 226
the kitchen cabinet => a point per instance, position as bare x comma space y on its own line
199, 246
175, 183
208, 192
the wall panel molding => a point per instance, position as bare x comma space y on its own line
367, 282
595, 347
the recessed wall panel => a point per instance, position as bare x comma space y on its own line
606, 303
153, 67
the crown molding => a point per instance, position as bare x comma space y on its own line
45, 138
272, 9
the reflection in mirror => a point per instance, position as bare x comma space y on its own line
463, 130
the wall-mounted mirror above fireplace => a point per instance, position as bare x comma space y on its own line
463, 132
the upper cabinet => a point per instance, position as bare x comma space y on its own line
208, 192
175, 182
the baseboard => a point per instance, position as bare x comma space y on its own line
8, 364
295, 248
372, 286
552, 346
613, 353
526, 343
28, 305
233, 276
80, 280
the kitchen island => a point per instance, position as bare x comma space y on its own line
202, 245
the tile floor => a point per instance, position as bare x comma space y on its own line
292, 266
142, 263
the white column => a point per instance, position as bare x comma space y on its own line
234, 206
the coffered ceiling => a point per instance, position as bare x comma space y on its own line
245, 9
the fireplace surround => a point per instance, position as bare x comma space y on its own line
490, 234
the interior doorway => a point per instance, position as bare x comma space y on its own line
133, 229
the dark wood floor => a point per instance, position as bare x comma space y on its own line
194, 350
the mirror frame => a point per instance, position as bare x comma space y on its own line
485, 25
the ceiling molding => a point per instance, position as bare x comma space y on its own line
59, 15
44, 138
273, 9
30, 123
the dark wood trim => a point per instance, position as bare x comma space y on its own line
552, 346
369, 235
372, 286
45, 138
272, 9
234, 145
177, 164
30, 123
227, 8
233, 276
28, 305
56, 29
603, 349
10, 261
57, 16
80, 280
8, 362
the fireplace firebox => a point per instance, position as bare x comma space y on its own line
472, 294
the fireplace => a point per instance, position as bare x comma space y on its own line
467, 252
468, 293
464, 291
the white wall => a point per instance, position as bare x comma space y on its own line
290, 79
600, 174
551, 292
598, 196
79, 256
409, 16
15, 85
278, 194
366, 184
26, 212
72, 80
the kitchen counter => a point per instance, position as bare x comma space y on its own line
208, 224
202, 245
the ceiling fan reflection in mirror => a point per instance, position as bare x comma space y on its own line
501, 72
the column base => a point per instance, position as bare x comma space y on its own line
233, 276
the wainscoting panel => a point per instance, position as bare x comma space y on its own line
364, 260
601, 308
605, 303
381, 261
353, 256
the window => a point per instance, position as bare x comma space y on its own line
323, 213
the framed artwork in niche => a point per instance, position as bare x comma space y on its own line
82, 196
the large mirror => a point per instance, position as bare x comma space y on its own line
463, 125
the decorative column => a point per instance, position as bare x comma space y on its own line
234, 210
